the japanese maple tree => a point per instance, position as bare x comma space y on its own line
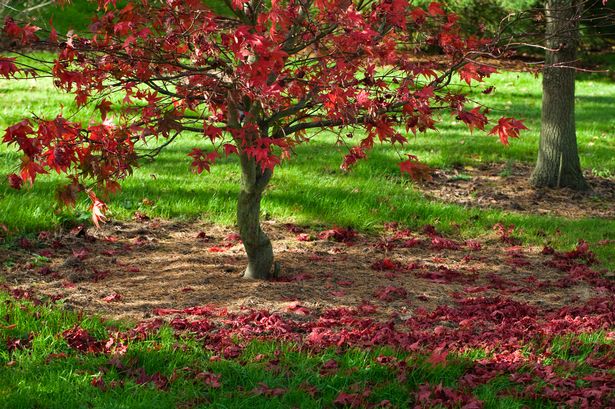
254, 82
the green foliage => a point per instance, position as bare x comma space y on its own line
477, 15
597, 27
77, 15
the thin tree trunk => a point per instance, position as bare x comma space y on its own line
558, 162
253, 183
255, 241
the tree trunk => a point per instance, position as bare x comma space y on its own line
558, 162
255, 241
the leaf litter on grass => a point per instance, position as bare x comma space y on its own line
414, 291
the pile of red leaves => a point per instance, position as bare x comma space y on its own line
516, 336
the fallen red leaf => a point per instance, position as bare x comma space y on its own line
438, 356
385, 264
81, 253
304, 237
115, 297
265, 390
298, 308
390, 293
210, 379
338, 234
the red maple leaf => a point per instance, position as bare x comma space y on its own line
304, 237
265, 390
113, 298
507, 128
81, 253
415, 169
435, 9
230, 149
296, 307
8, 67
203, 161
209, 378
340, 234
98, 209
385, 264
390, 293
352, 400
438, 356
104, 107
473, 118
15, 181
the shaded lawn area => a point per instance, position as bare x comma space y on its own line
310, 188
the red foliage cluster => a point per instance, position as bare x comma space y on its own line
340, 234
498, 325
251, 84
81, 340
429, 396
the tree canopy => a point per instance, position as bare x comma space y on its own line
254, 82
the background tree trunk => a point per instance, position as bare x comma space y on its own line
255, 241
558, 162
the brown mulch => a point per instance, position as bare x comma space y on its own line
129, 270
506, 187
132, 269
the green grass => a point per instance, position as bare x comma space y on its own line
310, 188
36, 381
47, 373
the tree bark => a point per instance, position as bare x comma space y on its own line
254, 180
255, 241
558, 163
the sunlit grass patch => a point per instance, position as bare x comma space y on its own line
311, 189
167, 368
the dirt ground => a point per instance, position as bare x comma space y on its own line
505, 187
135, 269
132, 270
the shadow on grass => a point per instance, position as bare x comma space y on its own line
309, 190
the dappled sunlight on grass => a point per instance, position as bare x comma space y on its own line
311, 188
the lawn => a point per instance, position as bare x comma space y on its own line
439, 310
311, 189
54, 358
